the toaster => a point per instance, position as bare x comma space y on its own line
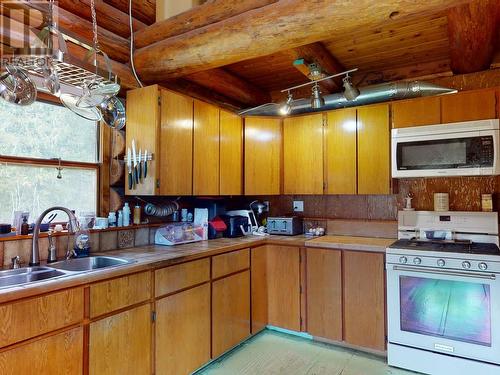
285, 225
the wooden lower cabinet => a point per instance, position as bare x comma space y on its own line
58, 354
121, 343
230, 312
259, 296
324, 293
182, 332
283, 286
364, 299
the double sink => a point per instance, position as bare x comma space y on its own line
28, 275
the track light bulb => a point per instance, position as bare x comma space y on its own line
286, 107
317, 101
351, 92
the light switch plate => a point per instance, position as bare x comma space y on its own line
298, 206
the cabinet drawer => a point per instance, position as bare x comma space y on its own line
234, 261
118, 293
181, 276
29, 318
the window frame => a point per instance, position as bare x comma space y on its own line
97, 166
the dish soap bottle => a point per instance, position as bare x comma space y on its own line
82, 242
25, 228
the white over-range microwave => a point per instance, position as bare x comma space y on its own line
457, 149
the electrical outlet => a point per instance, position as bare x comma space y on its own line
298, 206
267, 206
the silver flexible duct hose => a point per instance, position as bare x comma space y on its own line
161, 210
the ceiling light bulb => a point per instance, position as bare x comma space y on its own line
351, 92
317, 101
286, 108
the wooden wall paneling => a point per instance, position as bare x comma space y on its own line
364, 299
181, 276
340, 152
468, 106
182, 331
303, 154
230, 312
56, 354
121, 343
324, 293
259, 291
231, 154
115, 294
415, 112
45, 314
263, 152
373, 149
176, 144
227, 263
104, 167
143, 120
205, 149
283, 278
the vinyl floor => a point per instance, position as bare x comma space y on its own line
273, 353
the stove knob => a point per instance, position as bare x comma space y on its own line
466, 265
482, 266
417, 261
441, 262
403, 260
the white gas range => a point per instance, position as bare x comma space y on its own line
443, 293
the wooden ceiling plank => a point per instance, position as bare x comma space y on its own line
230, 86
473, 31
108, 17
210, 12
266, 30
143, 10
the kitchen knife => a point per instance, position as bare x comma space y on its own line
140, 164
134, 157
129, 167
145, 163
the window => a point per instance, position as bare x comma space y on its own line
32, 139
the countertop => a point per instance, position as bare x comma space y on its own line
152, 256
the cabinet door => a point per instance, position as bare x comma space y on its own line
364, 299
468, 106
340, 152
176, 144
283, 278
57, 354
262, 156
324, 293
373, 150
259, 288
230, 312
182, 331
231, 154
303, 154
415, 112
206, 149
143, 124
121, 343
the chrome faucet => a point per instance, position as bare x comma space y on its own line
72, 226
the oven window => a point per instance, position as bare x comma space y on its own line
455, 310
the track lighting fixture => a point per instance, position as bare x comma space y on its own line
286, 107
351, 92
317, 101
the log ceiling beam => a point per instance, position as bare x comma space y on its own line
208, 13
108, 17
230, 86
269, 29
143, 10
472, 32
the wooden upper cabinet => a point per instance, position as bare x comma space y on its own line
206, 149
231, 154
373, 150
416, 112
143, 119
303, 154
468, 106
340, 152
262, 156
176, 144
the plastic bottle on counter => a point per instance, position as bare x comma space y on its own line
137, 214
120, 219
112, 219
126, 215
25, 228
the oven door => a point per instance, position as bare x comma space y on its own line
444, 311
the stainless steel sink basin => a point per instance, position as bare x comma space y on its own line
27, 275
90, 263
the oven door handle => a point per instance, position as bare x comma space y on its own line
473, 275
